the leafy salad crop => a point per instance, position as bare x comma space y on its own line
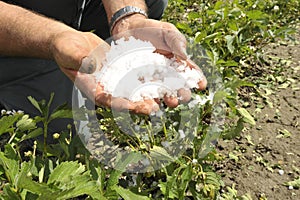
232, 34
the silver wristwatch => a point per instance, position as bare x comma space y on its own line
124, 12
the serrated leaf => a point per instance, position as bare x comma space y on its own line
219, 96
78, 186
6, 123
213, 179
72, 180
127, 194
27, 183
246, 116
159, 153
26, 123
63, 172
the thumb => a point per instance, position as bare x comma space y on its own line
88, 65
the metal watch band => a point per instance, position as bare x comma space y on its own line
124, 12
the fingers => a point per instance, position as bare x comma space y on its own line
95, 92
171, 102
203, 81
121, 104
163, 35
184, 95
174, 40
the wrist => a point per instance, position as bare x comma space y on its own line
126, 23
121, 19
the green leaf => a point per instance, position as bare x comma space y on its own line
233, 26
167, 187
182, 26
219, 96
229, 40
284, 133
218, 5
50, 100
186, 177
73, 180
62, 111
79, 186
295, 183
10, 163
256, 14
161, 154
127, 194
9, 193
121, 166
63, 172
246, 116
6, 123
235, 131
200, 35
193, 15
33, 134
213, 179
26, 123
25, 182
35, 103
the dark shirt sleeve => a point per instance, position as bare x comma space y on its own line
68, 11
65, 11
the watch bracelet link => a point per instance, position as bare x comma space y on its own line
124, 12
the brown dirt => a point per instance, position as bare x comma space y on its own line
253, 161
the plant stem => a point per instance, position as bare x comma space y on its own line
45, 139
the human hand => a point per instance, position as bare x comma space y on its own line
77, 56
168, 41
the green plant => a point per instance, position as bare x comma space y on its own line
232, 34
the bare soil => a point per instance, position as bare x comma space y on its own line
267, 155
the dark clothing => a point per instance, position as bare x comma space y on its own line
23, 77
93, 12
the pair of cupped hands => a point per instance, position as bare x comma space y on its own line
72, 52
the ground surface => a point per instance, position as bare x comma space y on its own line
267, 155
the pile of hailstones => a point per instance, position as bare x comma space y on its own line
133, 70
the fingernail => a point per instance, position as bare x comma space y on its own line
88, 65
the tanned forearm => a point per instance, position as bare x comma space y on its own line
24, 33
112, 6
